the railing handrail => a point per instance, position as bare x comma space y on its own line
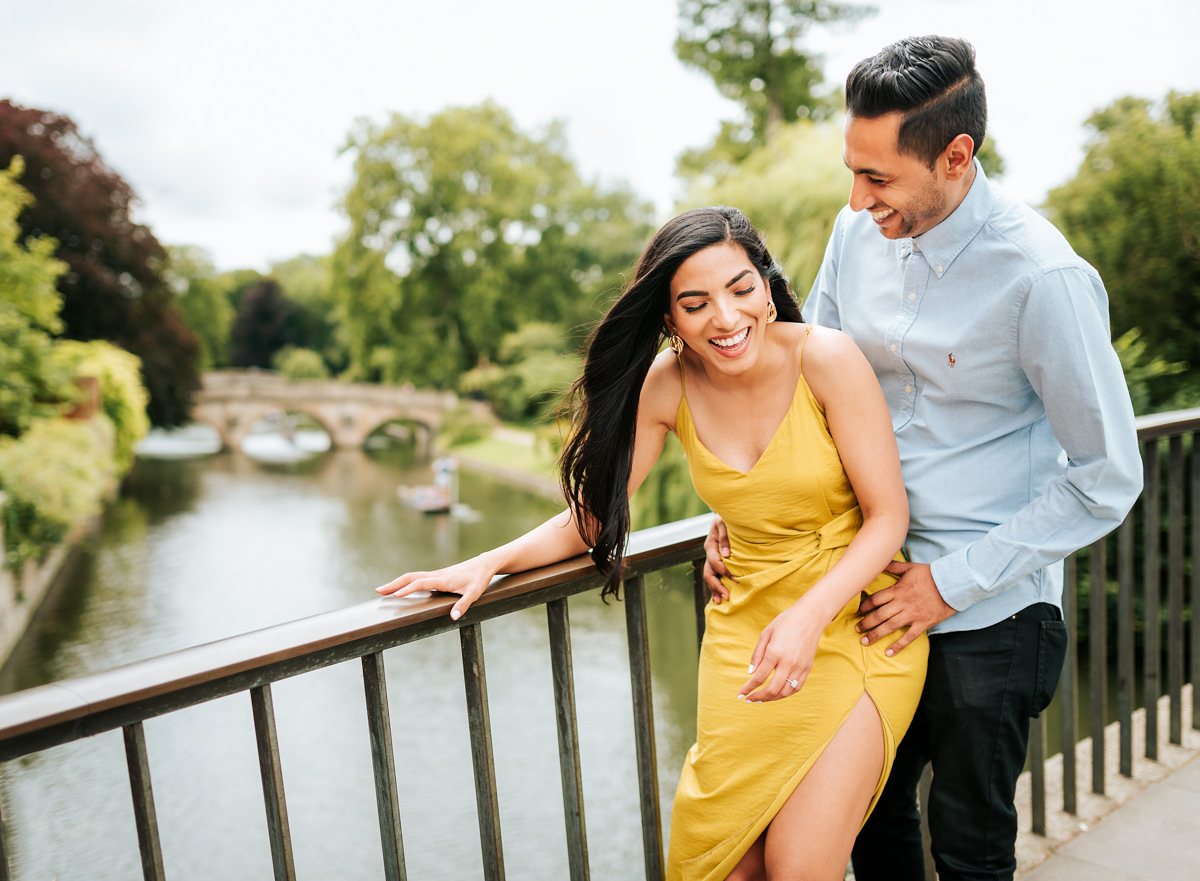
265, 653
1175, 422
70, 709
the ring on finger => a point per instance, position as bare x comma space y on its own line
794, 683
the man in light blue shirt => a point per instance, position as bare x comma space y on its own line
990, 338
991, 341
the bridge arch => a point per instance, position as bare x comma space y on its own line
231, 401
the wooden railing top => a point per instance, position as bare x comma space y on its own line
1158, 425
74, 708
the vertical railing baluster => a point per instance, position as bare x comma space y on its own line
387, 800
143, 802
1195, 597
1175, 587
1098, 658
562, 667
1152, 635
1125, 640
643, 725
1037, 772
263, 708
699, 597
1068, 689
482, 756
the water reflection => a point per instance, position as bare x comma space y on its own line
199, 549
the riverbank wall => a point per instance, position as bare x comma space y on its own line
22, 592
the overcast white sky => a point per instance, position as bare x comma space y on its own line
226, 116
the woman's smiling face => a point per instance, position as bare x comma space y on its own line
718, 306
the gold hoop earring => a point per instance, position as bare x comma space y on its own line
675, 343
772, 312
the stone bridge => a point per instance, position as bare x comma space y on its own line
231, 401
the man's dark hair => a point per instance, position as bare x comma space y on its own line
932, 82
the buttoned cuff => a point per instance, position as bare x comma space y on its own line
955, 582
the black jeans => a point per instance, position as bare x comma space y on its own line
972, 724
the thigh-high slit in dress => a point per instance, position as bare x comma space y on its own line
790, 519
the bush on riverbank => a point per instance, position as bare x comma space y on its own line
123, 398
59, 471
55, 475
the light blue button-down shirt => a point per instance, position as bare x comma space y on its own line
990, 338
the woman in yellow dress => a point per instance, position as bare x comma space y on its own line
789, 440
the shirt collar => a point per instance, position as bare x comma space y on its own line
942, 244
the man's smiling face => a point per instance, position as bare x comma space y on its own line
901, 193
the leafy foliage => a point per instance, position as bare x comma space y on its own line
203, 303
667, 493
532, 376
307, 282
114, 287
1142, 367
32, 384
54, 475
462, 229
1130, 211
297, 363
792, 189
262, 326
462, 426
123, 398
754, 52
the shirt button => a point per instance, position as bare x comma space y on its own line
939, 269
908, 389
893, 347
911, 295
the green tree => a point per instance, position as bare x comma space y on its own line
1131, 212
307, 281
123, 398
114, 288
461, 229
31, 381
1142, 368
262, 325
791, 189
298, 363
203, 302
754, 52
532, 374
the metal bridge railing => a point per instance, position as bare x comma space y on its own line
43, 717
50, 715
1123, 577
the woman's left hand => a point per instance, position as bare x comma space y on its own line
784, 655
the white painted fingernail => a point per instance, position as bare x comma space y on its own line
741, 697
455, 614
888, 653
751, 668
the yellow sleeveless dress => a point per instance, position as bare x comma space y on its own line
790, 519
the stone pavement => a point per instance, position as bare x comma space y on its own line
1145, 828
1155, 836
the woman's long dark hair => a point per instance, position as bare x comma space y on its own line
598, 458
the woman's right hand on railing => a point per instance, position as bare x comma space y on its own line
468, 579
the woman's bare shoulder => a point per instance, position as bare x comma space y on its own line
663, 390
828, 349
832, 362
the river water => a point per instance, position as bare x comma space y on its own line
196, 549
